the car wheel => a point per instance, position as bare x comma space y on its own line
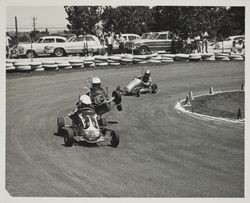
143, 50
68, 137
114, 139
154, 88
59, 52
60, 125
30, 54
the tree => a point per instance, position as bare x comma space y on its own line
127, 19
82, 19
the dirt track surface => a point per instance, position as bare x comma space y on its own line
162, 153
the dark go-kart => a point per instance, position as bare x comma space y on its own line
88, 127
136, 87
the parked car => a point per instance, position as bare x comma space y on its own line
228, 42
127, 38
146, 35
157, 41
77, 45
37, 48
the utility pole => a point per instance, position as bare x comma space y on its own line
16, 30
34, 26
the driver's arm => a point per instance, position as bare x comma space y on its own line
149, 82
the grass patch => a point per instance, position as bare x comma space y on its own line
224, 105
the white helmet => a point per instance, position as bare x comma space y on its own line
96, 80
147, 72
85, 99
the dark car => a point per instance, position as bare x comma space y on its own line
158, 41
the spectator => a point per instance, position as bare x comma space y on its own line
173, 45
197, 40
102, 40
188, 41
109, 42
240, 47
204, 41
121, 43
7, 41
234, 49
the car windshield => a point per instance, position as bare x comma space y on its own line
228, 39
40, 40
80, 38
153, 36
145, 36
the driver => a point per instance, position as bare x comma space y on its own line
96, 90
84, 102
146, 79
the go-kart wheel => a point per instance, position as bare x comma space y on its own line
68, 137
119, 107
154, 88
117, 99
60, 125
114, 139
102, 122
138, 93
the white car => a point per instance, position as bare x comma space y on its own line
127, 38
228, 42
37, 48
76, 45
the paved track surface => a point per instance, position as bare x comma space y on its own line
162, 153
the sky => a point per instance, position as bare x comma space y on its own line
52, 16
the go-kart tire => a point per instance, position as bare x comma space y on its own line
119, 107
118, 98
102, 122
154, 88
60, 125
138, 93
114, 141
68, 137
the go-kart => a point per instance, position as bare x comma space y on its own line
86, 126
101, 101
136, 87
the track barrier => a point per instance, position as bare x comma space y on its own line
13, 65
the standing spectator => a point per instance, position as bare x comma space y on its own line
109, 42
173, 46
7, 41
240, 47
188, 41
234, 49
197, 40
102, 40
121, 41
204, 41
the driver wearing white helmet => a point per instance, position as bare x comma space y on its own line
96, 93
84, 103
146, 79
